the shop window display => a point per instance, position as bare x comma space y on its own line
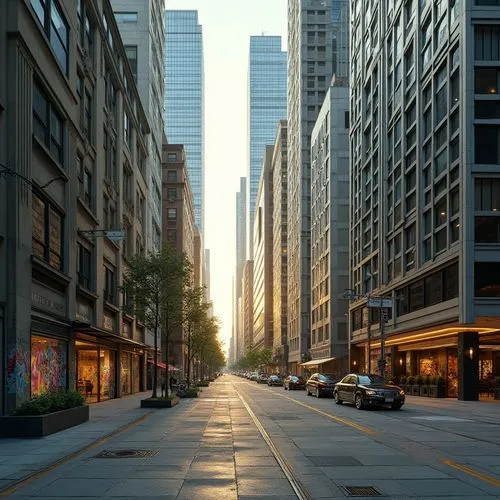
126, 373
49, 364
107, 374
136, 380
88, 374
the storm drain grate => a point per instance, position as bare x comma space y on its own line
361, 491
126, 454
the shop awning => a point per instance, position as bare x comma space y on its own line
160, 364
315, 362
82, 327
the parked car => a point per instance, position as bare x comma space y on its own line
274, 380
294, 382
320, 384
262, 378
368, 390
254, 376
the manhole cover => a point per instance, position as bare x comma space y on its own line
126, 454
361, 491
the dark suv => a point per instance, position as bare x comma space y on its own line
320, 384
368, 390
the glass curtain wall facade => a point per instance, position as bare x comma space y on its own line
184, 97
267, 83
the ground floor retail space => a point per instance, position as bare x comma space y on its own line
98, 368
469, 362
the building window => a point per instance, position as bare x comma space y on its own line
127, 129
84, 266
87, 115
127, 184
47, 232
487, 229
126, 17
172, 213
171, 235
486, 279
131, 53
171, 175
486, 80
54, 25
85, 29
171, 194
487, 195
47, 124
109, 285
171, 157
486, 42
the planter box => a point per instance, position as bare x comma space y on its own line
42, 425
437, 391
424, 390
496, 392
189, 394
159, 403
415, 390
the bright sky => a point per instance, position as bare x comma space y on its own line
227, 27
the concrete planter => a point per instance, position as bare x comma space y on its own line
159, 403
415, 390
437, 391
497, 393
42, 425
424, 390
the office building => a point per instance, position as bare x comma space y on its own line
247, 306
279, 248
263, 261
309, 74
74, 145
424, 204
330, 233
184, 97
266, 106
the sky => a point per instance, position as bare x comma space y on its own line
227, 27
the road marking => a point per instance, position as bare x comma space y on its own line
26, 480
438, 418
298, 488
472, 472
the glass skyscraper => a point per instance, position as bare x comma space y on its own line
184, 97
267, 82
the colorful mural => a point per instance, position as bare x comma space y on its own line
49, 364
18, 375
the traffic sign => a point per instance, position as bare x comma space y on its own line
380, 302
115, 235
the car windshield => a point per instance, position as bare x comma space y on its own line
326, 376
370, 379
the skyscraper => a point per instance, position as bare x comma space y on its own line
309, 74
184, 97
266, 106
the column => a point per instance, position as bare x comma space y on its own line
468, 366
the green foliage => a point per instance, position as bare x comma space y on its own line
438, 380
190, 393
419, 380
203, 383
496, 382
411, 380
403, 380
253, 359
428, 380
50, 402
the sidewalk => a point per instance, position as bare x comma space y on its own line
20, 458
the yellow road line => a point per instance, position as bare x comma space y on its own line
472, 472
71, 456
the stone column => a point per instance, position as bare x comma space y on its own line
468, 366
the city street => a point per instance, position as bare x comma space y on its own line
248, 441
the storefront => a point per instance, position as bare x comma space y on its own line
49, 363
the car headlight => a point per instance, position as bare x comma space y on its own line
371, 393
401, 392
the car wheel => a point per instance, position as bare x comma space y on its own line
284, 387
307, 392
396, 407
337, 399
358, 402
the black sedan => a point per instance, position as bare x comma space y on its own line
368, 390
320, 384
274, 380
293, 382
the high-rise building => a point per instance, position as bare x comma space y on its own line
184, 97
241, 208
309, 74
330, 232
141, 28
280, 257
424, 193
73, 148
266, 106
263, 262
247, 306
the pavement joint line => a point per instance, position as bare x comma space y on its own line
472, 472
298, 488
28, 478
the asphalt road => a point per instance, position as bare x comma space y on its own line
241, 440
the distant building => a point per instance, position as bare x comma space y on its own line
263, 256
266, 106
247, 306
185, 97
280, 254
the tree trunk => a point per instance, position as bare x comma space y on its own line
167, 355
188, 375
155, 361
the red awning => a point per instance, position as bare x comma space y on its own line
163, 365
